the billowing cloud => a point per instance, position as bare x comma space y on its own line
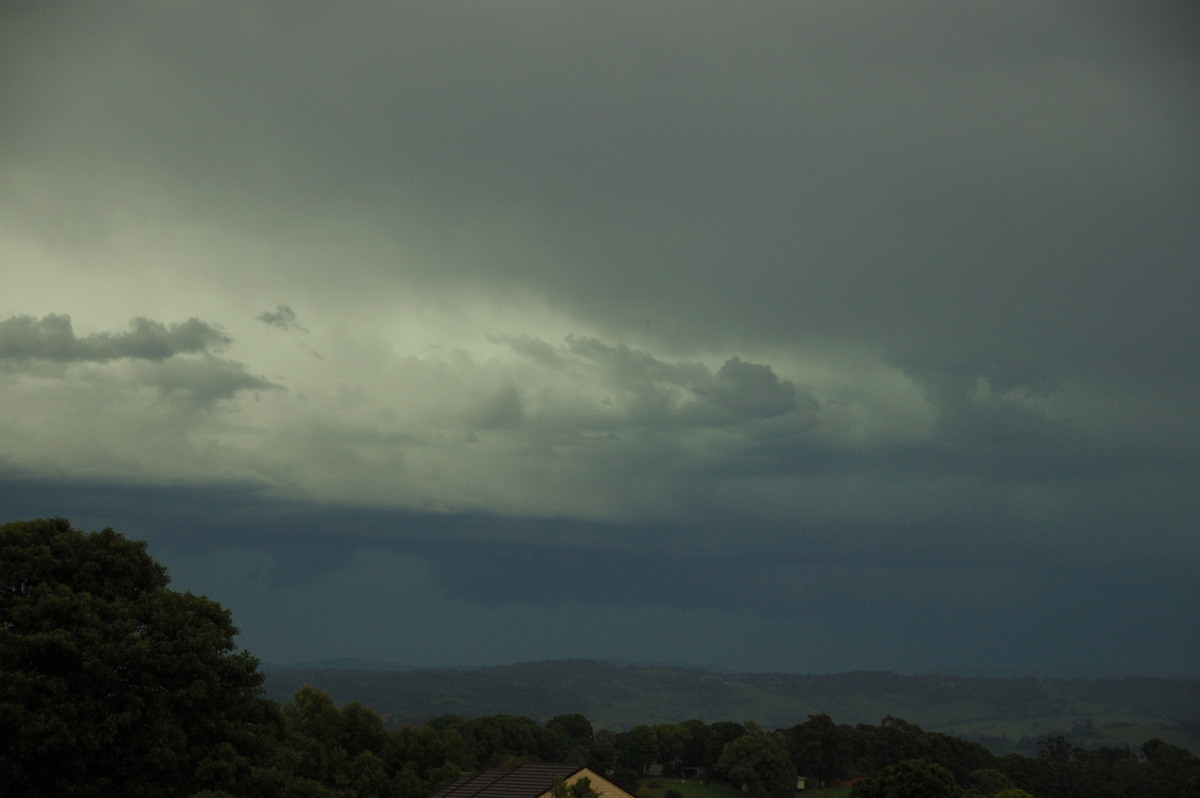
202, 380
116, 405
633, 388
51, 338
750, 389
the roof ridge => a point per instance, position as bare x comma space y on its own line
527, 780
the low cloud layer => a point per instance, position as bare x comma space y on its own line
730, 309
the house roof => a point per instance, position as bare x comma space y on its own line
527, 781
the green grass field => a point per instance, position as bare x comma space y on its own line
658, 786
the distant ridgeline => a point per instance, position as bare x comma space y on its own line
1005, 714
724, 759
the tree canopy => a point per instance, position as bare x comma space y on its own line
761, 765
113, 683
910, 778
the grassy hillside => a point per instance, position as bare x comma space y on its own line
999, 712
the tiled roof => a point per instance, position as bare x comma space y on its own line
527, 781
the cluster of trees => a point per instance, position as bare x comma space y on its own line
900, 759
113, 684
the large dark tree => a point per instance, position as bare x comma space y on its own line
111, 683
760, 765
569, 738
820, 749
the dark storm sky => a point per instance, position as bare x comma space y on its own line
771, 336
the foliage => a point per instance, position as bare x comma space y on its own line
580, 788
569, 738
820, 749
911, 778
113, 683
989, 781
759, 763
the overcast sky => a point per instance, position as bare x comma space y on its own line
797, 336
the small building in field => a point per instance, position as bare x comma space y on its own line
531, 780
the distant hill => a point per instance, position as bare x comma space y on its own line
1006, 714
345, 664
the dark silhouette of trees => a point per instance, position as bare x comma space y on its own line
569, 738
113, 683
820, 749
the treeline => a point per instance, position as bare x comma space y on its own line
348, 752
1009, 715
